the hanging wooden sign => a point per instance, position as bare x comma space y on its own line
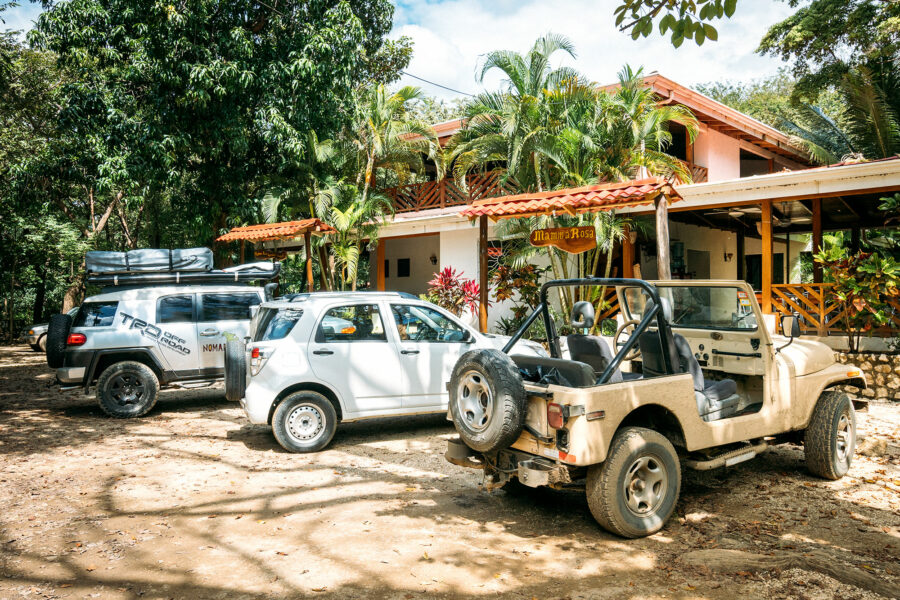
571, 239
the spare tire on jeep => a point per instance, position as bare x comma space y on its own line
235, 370
487, 400
57, 337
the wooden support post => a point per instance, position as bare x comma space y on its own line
483, 274
767, 256
787, 259
627, 255
379, 260
663, 263
307, 245
323, 268
243, 256
817, 237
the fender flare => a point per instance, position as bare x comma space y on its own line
152, 362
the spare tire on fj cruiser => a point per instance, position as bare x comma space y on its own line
235, 370
487, 400
57, 337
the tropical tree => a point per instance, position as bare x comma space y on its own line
357, 221
386, 136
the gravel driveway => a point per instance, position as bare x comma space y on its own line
193, 502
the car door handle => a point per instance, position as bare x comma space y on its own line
409, 352
209, 332
323, 352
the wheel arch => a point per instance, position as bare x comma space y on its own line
103, 359
658, 418
308, 386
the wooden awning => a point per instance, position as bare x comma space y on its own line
574, 201
270, 232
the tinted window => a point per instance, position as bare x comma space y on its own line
95, 314
357, 323
275, 324
422, 324
228, 307
175, 309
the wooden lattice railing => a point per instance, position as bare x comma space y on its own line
819, 311
444, 193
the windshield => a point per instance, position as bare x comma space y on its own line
700, 307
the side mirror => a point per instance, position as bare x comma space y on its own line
790, 326
608, 327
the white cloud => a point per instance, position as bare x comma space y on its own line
451, 35
22, 17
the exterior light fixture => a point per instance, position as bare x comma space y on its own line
433, 259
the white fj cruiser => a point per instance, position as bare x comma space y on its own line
710, 387
318, 359
154, 323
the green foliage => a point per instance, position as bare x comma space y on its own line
864, 283
521, 285
825, 39
685, 19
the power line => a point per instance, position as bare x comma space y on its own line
449, 89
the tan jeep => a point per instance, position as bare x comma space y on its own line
709, 387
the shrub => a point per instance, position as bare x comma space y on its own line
451, 291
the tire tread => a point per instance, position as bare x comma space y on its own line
817, 446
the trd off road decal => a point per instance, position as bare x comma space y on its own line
164, 338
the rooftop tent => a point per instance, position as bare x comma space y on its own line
149, 260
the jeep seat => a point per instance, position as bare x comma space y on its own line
716, 399
558, 371
590, 349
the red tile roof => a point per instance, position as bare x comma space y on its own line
573, 201
267, 232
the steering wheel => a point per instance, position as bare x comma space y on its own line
627, 326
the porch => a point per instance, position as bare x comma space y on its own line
762, 229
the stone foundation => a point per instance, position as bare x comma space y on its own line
882, 373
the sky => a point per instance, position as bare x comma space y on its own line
451, 36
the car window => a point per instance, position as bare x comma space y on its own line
423, 324
231, 306
175, 309
275, 323
353, 323
96, 314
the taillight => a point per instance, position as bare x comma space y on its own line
555, 417
76, 339
258, 358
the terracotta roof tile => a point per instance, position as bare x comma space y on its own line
593, 198
267, 232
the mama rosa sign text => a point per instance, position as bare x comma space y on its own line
570, 239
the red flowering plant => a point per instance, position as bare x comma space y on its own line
451, 291
521, 285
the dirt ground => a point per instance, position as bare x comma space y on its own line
193, 502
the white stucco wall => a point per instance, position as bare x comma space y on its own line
718, 153
419, 251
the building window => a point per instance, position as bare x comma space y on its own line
402, 267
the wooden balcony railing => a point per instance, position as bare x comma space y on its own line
444, 193
820, 313
698, 173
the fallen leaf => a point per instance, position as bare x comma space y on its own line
279, 553
321, 589
90, 568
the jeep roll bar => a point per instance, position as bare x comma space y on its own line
543, 309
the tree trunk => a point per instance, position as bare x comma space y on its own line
40, 294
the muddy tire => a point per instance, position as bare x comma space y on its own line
487, 400
127, 390
304, 422
830, 439
634, 492
57, 336
235, 370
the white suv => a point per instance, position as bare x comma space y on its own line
325, 358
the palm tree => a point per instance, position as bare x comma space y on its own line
386, 136
516, 125
357, 220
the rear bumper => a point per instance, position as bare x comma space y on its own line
70, 375
257, 402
